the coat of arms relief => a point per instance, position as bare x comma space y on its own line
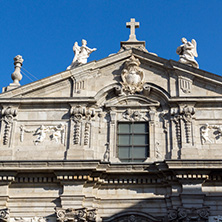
132, 76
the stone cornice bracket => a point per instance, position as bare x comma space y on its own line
4, 215
8, 114
76, 215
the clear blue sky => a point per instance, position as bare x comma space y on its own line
43, 32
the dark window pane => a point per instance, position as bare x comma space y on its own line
140, 128
124, 152
140, 139
139, 152
124, 128
125, 140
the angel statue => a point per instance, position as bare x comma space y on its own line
187, 51
81, 54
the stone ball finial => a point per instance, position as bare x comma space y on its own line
16, 75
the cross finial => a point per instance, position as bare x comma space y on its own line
132, 25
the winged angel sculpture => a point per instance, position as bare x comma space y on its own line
187, 51
81, 54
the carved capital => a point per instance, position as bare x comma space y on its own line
76, 215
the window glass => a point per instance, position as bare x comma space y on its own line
139, 128
125, 140
140, 152
140, 139
124, 128
132, 141
124, 152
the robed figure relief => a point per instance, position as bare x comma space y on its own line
187, 51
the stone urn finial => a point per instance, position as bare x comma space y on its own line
16, 75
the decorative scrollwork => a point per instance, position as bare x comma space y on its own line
8, 115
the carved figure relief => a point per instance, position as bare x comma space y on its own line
79, 114
8, 114
188, 214
78, 215
55, 133
211, 133
132, 76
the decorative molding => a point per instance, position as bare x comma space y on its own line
78, 114
56, 133
176, 119
185, 84
77, 215
133, 115
4, 215
8, 114
188, 214
34, 219
187, 113
132, 76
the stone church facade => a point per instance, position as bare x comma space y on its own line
131, 137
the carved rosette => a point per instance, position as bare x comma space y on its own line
77, 215
188, 214
132, 76
8, 114
80, 113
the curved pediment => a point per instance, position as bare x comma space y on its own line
132, 101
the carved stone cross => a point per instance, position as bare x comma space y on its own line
132, 25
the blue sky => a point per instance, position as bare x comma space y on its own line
43, 32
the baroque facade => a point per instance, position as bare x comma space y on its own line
131, 137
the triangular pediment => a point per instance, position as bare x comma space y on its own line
176, 79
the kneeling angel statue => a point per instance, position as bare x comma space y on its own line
187, 51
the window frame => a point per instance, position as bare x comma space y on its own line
132, 146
